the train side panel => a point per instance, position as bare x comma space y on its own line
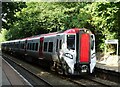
32, 48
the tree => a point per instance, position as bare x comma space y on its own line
9, 10
105, 21
39, 18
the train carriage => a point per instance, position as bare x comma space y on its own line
32, 47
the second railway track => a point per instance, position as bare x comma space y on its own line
38, 80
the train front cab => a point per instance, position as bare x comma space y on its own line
85, 49
79, 52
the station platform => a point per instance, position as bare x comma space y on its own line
10, 77
107, 67
111, 64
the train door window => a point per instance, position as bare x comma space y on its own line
71, 42
60, 44
45, 46
50, 48
36, 47
57, 46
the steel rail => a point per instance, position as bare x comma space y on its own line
19, 65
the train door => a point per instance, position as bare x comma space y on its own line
41, 47
59, 52
67, 54
93, 54
70, 52
59, 46
25, 45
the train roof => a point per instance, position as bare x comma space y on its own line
69, 31
76, 30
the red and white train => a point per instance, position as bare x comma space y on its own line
71, 51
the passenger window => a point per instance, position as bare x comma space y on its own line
30, 46
45, 46
23, 46
33, 46
50, 49
60, 44
16, 45
36, 47
57, 46
92, 42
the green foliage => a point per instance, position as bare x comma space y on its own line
39, 18
102, 18
8, 12
2, 35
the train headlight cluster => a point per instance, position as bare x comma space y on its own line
68, 55
84, 68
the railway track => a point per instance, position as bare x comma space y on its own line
81, 81
107, 75
34, 80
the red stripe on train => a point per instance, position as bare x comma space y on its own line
84, 48
41, 47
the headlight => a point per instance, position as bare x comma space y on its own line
68, 55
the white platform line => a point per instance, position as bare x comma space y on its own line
18, 73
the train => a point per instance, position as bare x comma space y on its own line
71, 52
